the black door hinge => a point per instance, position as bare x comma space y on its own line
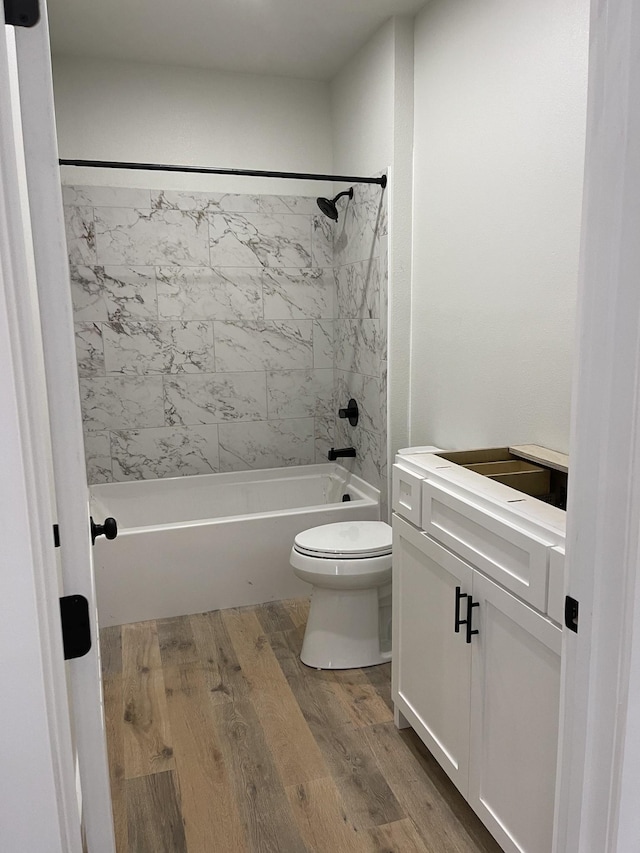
56, 536
76, 628
21, 13
571, 607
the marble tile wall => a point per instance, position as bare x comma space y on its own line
204, 330
219, 332
360, 265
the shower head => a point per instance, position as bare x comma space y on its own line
328, 205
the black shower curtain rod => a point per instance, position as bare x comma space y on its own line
255, 173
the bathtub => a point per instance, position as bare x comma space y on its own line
192, 544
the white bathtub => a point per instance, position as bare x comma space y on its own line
192, 544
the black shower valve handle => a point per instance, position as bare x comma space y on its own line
350, 412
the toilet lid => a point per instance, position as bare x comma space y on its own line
346, 539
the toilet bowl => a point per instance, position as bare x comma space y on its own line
347, 564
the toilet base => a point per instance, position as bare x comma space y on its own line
343, 630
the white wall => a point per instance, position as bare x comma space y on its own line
400, 245
372, 118
500, 101
108, 110
362, 107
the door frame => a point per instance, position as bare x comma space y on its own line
51, 265
599, 756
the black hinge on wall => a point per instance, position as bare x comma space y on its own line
76, 629
21, 13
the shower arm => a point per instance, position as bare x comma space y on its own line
203, 170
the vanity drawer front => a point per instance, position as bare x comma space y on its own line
555, 606
406, 497
511, 556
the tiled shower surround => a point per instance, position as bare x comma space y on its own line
222, 332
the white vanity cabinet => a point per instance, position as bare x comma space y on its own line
485, 703
431, 664
514, 710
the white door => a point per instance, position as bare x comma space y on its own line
38, 806
32, 65
431, 667
515, 707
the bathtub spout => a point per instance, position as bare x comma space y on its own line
343, 451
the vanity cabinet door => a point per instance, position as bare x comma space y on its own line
431, 662
514, 719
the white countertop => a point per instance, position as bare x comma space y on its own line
494, 495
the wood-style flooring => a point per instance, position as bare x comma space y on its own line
220, 739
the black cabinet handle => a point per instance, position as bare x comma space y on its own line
109, 529
470, 605
458, 621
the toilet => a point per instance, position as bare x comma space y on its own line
349, 566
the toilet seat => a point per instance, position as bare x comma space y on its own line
346, 540
341, 572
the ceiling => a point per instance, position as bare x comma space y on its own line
310, 39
